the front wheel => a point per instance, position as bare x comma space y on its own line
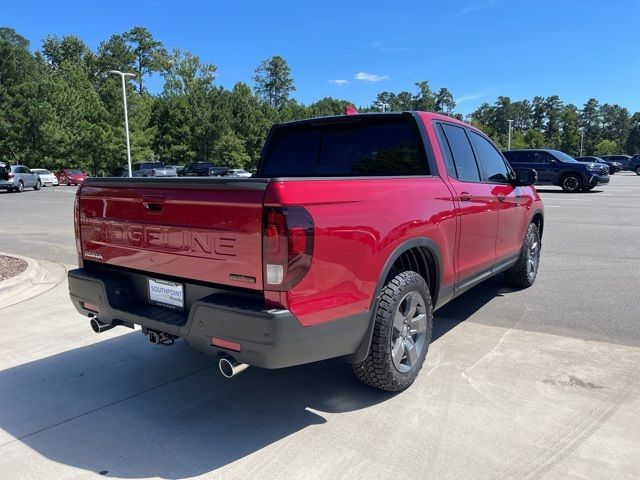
37, 185
571, 183
638, 170
401, 334
523, 273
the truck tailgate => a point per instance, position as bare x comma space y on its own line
200, 229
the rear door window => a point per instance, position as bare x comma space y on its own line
383, 146
462, 154
495, 168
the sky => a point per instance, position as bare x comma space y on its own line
478, 49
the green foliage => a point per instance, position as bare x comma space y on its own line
273, 82
605, 147
229, 151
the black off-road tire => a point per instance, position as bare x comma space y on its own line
571, 183
378, 369
520, 274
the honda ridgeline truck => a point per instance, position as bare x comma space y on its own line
353, 231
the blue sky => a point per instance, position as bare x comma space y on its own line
479, 49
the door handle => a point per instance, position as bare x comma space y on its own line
465, 196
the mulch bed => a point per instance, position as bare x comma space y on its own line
10, 267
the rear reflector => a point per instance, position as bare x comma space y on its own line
229, 345
90, 306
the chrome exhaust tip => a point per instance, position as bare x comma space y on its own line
99, 327
229, 367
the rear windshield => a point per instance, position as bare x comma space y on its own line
385, 146
73, 172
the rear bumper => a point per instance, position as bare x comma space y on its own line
5, 184
269, 338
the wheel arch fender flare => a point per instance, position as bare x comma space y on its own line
431, 245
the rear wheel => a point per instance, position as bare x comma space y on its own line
523, 273
38, 185
571, 183
401, 335
638, 170
20, 186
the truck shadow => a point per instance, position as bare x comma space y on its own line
128, 409
124, 408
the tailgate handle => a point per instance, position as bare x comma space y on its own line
153, 203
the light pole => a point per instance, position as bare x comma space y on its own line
509, 143
581, 139
383, 106
126, 115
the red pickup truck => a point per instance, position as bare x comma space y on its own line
353, 230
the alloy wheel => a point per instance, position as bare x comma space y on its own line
409, 330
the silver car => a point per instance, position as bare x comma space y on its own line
15, 178
152, 169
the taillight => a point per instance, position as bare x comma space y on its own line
76, 228
287, 247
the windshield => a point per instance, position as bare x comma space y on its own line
73, 171
41, 171
563, 157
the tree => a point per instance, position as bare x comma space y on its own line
632, 144
149, 54
229, 151
605, 147
273, 82
425, 100
69, 49
444, 101
186, 74
570, 136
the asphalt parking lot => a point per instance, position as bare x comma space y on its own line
540, 383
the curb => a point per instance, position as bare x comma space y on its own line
38, 277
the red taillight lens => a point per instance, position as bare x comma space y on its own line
287, 247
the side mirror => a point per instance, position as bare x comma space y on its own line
525, 177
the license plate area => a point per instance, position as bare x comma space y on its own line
166, 294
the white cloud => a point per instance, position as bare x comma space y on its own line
340, 82
471, 96
370, 77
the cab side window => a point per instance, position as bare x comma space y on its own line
461, 154
494, 165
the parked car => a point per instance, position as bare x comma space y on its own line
15, 178
287, 268
45, 176
622, 159
70, 176
203, 169
613, 166
152, 169
634, 164
177, 168
238, 172
557, 168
